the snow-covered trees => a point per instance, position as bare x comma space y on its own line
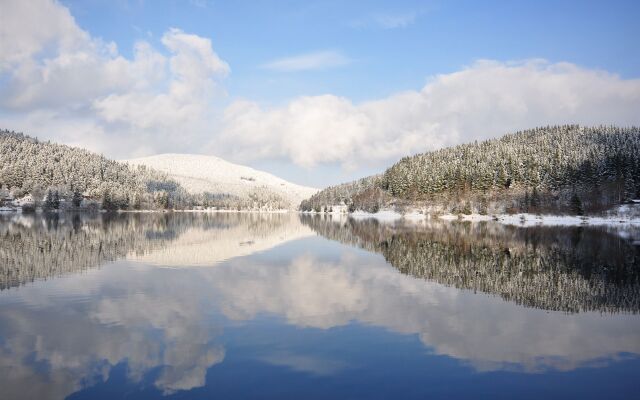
543, 169
550, 158
52, 173
351, 194
56, 174
52, 200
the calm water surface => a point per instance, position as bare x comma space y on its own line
288, 306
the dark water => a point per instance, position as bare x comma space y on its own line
288, 306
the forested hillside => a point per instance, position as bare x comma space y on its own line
567, 169
346, 193
28, 165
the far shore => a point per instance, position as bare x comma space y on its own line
521, 219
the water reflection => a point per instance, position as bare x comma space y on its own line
240, 235
485, 331
54, 345
39, 247
170, 329
569, 269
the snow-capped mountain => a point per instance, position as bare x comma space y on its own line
201, 173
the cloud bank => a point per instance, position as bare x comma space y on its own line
484, 100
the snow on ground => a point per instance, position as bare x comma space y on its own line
564, 220
200, 173
383, 215
620, 216
627, 214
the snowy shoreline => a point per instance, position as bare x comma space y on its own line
522, 219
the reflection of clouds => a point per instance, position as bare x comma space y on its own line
308, 294
59, 336
484, 330
186, 365
187, 352
56, 349
57, 353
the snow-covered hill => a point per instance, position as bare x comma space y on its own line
200, 173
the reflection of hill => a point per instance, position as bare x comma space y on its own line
38, 247
569, 269
202, 246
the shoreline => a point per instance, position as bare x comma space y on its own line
520, 219
414, 216
85, 211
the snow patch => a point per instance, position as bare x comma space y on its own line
523, 219
384, 215
564, 220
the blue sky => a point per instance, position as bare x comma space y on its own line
428, 38
316, 91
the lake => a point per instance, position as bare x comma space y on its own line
241, 305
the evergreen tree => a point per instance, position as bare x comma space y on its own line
576, 204
49, 201
76, 199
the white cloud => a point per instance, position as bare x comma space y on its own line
31, 27
395, 21
485, 100
48, 60
193, 68
55, 75
386, 20
309, 61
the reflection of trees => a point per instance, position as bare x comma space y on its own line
42, 246
488, 333
568, 269
37, 247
